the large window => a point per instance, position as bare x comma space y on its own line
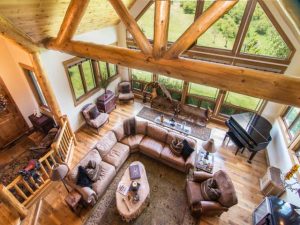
107, 70
238, 103
262, 37
84, 76
173, 85
140, 78
201, 96
222, 34
146, 22
291, 119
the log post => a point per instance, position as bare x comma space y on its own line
46, 87
132, 26
205, 21
71, 20
7, 197
161, 23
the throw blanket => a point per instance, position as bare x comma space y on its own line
129, 126
93, 170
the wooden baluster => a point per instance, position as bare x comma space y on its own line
44, 171
7, 197
34, 183
27, 186
20, 192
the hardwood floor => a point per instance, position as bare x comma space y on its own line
245, 176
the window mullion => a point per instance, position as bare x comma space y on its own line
108, 72
294, 121
82, 78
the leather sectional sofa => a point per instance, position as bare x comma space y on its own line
114, 147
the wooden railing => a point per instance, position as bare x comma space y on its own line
21, 193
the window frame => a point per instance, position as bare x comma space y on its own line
287, 126
142, 82
95, 72
110, 77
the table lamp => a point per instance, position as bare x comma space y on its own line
209, 147
59, 172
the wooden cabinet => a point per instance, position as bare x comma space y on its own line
106, 102
42, 123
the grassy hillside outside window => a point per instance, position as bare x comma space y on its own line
291, 120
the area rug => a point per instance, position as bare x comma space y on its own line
202, 133
168, 201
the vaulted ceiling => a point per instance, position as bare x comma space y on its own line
40, 19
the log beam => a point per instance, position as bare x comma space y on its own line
12, 33
202, 24
71, 20
46, 87
132, 26
270, 86
161, 23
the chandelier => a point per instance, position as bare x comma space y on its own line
3, 103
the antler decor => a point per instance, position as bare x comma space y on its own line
3, 103
267, 85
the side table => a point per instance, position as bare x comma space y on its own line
106, 102
203, 164
75, 202
42, 123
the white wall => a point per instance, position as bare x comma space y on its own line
14, 78
52, 62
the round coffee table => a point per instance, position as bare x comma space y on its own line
128, 209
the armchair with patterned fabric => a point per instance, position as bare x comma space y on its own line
125, 92
210, 195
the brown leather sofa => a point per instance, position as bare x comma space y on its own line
200, 205
114, 147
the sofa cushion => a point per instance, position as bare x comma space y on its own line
141, 127
119, 131
156, 132
187, 150
107, 173
94, 113
172, 135
151, 147
228, 195
126, 96
169, 156
100, 120
209, 190
117, 155
193, 192
91, 155
106, 143
133, 141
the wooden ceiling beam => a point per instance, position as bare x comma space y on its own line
71, 20
161, 23
202, 24
132, 26
270, 86
10, 32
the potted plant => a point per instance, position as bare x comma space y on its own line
104, 84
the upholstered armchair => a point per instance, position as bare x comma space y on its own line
93, 117
204, 186
125, 92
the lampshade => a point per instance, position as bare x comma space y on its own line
59, 172
209, 146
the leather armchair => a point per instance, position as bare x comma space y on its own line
125, 92
199, 206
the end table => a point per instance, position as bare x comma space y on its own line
203, 164
75, 202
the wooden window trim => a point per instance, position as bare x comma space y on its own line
286, 127
25, 67
86, 95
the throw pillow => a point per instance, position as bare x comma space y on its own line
94, 113
83, 179
176, 147
187, 150
209, 190
93, 170
125, 89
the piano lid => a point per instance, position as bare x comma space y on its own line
256, 126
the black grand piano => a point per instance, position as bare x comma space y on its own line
249, 130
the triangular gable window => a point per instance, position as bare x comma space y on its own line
222, 34
146, 22
262, 37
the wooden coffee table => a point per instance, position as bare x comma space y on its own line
128, 209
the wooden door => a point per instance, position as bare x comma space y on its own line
12, 123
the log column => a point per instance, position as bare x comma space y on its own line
46, 87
